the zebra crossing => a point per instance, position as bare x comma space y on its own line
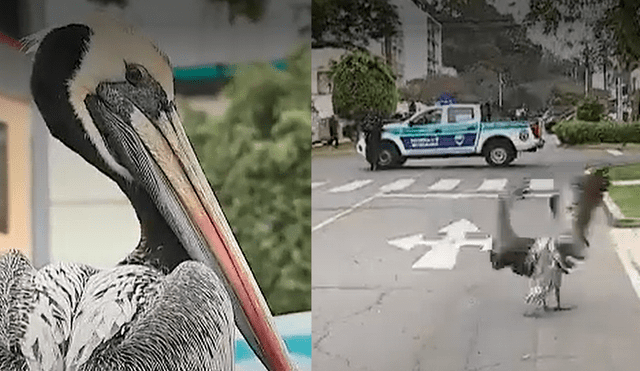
421, 188
444, 185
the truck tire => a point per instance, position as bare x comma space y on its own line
499, 152
388, 156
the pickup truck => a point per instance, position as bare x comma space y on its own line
454, 130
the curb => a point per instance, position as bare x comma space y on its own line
615, 217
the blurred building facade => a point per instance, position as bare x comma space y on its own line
59, 207
414, 52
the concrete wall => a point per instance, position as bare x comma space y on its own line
15, 114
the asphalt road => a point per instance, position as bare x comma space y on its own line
372, 310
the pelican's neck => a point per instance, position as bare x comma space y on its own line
159, 246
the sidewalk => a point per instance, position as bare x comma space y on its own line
625, 236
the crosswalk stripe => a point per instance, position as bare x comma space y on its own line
351, 186
492, 185
541, 184
315, 185
614, 152
444, 185
398, 185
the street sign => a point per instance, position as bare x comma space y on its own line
444, 250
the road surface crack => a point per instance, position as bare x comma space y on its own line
326, 330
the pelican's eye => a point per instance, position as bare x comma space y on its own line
134, 74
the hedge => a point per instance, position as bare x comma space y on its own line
582, 132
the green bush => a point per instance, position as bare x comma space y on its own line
590, 110
582, 132
361, 83
257, 158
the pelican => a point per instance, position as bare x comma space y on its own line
544, 259
106, 92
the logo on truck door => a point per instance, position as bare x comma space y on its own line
459, 139
419, 142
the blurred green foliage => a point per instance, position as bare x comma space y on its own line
257, 158
581, 132
361, 83
590, 110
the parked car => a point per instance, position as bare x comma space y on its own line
454, 130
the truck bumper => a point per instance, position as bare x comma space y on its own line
538, 145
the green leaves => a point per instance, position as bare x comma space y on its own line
581, 132
362, 82
257, 159
352, 24
590, 110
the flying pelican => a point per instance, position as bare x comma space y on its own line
107, 93
544, 259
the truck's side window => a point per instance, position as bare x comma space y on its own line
429, 117
460, 114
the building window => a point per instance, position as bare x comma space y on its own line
324, 82
4, 183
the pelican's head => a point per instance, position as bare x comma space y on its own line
107, 93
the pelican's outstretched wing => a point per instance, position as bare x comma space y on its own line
515, 251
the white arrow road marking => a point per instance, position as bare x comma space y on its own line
315, 185
493, 185
541, 184
409, 242
444, 251
614, 152
351, 186
398, 185
444, 185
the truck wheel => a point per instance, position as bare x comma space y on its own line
388, 155
500, 153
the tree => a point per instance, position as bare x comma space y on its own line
352, 24
362, 82
257, 158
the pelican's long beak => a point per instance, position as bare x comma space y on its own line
161, 158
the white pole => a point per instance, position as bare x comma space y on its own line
500, 88
619, 99
586, 81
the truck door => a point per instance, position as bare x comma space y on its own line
459, 131
419, 137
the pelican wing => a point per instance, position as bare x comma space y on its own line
36, 309
182, 321
112, 298
54, 295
